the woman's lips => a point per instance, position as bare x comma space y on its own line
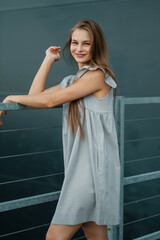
80, 55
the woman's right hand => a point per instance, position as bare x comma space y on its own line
53, 53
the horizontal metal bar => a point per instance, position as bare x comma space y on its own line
29, 201
141, 139
141, 200
141, 177
29, 154
142, 219
141, 159
142, 119
151, 236
17, 106
32, 178
14, 106
28, 129
33, 228
141, 100
24, 230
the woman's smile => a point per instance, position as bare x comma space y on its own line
79, 55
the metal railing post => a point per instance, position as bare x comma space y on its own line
116, 232
121, 152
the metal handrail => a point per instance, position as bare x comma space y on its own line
18, 106
29, 201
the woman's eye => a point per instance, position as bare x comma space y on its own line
87, 43
74, 42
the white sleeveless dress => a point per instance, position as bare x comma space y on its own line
91, 186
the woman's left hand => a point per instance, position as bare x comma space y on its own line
6, 100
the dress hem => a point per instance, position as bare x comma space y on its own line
101, 221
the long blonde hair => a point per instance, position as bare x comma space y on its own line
99, 57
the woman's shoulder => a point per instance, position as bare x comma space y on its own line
90, 70
99, 71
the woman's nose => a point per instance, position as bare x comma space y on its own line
79, 47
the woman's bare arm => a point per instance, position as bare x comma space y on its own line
38, 84
52, 89
37, 88
90, 83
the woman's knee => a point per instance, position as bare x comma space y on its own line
48, 236
99, 236
62, 232
52, 236
93, 231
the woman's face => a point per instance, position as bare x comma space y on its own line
80, 47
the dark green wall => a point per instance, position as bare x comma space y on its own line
27, 29
131, 29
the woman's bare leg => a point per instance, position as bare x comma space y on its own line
62, 232
93, 231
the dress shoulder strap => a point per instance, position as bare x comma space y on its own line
109, 80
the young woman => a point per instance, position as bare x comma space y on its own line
90, 192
